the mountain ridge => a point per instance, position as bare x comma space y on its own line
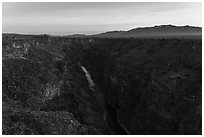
157, 31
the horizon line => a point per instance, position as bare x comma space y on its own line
100, 32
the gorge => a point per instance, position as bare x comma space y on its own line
121, 85
110, 114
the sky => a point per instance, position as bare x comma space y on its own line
65, 18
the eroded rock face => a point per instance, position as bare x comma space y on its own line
154, 85
45, 95
53, 90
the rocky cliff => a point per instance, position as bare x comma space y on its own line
153, 86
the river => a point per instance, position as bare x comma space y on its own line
110, 114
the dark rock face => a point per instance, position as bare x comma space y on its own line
46, 92
154, 85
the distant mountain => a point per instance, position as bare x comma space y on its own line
161, 31
156, 31
75, 36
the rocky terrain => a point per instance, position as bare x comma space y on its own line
148, 86
45, 91
155, 85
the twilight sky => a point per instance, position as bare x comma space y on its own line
90, 18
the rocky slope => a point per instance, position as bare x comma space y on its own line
152, 86
45, 91
155, 84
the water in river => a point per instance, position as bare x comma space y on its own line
88, 76
111, 112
